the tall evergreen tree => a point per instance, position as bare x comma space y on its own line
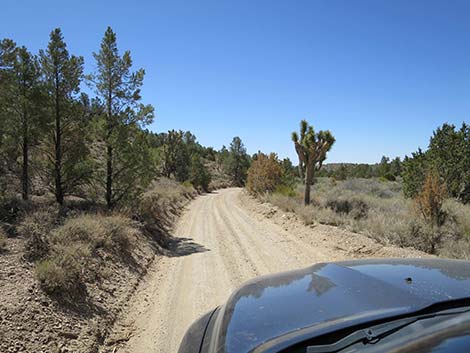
7, 151
66, 150
238, 162
119, 90
21, 96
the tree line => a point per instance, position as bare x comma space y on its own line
388, 169
57, 138
447, 158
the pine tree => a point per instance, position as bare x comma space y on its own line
119, 90
21, 95
66, 151
8, 153
175, 156
311, 148
238, 162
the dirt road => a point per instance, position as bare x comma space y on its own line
222, 243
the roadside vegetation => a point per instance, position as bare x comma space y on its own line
71, 161
87, 192
409, 203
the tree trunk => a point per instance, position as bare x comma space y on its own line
308, 183
109, 152
301, 170
59, 193
25, 170
109, 176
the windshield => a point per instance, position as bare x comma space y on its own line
432, 328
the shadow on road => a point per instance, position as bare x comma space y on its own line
183, 247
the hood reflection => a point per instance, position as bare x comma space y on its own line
328, 295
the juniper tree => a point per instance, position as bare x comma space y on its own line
66, 152
395, 167
119, 90
414, 171
311, 148
383, 169
447, 154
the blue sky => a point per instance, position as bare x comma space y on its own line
380, 74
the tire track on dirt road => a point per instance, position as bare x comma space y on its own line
220, 243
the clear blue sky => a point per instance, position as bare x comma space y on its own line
380, 74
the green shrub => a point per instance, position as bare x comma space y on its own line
187, 184
285, 190
355, 207
388, 177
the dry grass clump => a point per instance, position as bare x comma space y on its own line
460, 215
161, 202
379, 210
61, 273
111, 233
163, 195
71, 251
74, 246
35, 228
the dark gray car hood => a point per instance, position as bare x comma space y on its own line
327, 297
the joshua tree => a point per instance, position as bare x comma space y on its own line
311, 148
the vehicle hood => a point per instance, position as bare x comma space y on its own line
327, 297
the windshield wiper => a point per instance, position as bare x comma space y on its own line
375, 333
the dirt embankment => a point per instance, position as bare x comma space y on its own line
31, 321
222, 240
